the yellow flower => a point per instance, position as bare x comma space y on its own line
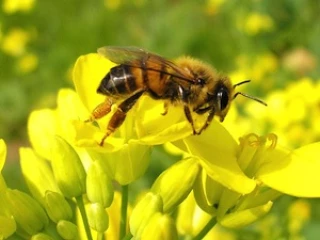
125, 154
112, 4
257, 22
213, 6
28, 63
14, 43
238, 183
12, 6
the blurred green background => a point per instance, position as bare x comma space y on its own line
41, 40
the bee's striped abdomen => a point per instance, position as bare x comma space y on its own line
119, 81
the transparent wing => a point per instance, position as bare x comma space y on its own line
135, 57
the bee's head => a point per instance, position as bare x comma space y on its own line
223, 94
220, 96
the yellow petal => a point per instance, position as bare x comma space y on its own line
154, 128
42, 126
217, 151
88, 72
295, 173
3, 153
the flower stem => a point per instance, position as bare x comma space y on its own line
100, 236
80, 204
124, 208
206, 229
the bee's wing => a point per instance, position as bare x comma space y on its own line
133, 56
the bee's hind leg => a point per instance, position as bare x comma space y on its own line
120, 115
101, 110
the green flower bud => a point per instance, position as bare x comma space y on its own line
57, 207
98, 217
175, 184
239, 219
68, 169
99, 185
41, 236
27, 212
149, 205
127, 163
67, 230
7, 226
160, 227
37, 173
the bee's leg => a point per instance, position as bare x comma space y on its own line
101, 110
208, 121
120, 115
189, 118
166, 107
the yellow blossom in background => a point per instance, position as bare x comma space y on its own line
299, 213
257, 70
28, 63
112, 4
213, 6
256, 23
12, 6
15, 41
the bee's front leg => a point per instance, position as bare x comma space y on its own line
208, 121
166, 107
188, 115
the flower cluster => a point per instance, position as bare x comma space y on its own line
74, 183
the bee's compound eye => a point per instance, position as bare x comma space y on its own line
223, 98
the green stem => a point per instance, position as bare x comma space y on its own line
124, 208
100, 236
128, 237
206, 229
80, 204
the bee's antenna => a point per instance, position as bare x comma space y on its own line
240, 83
245, 95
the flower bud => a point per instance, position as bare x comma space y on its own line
98, 217
67, 230
160, 227
68, 169
57, 207
125, 164
239, 219
26, 212
41, 236
99, 185
175, 183
37, 173
7, 226
149, 205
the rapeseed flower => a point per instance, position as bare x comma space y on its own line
12, 6
256, 23
218, 180
15, 41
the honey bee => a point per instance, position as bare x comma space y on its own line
187, 82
